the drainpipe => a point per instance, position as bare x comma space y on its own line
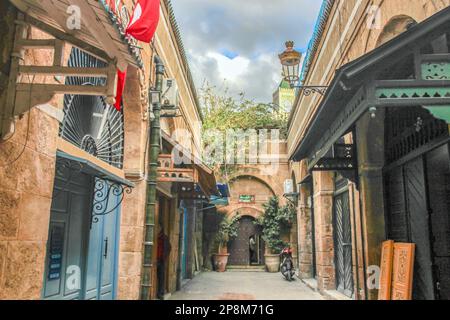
155, 137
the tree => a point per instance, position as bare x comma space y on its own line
275, 221
228, 230
222, 112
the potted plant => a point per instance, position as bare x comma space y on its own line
275, 222
228, 230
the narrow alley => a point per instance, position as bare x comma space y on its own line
204, 150
244, 285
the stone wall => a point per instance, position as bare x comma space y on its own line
349, 34
27, 166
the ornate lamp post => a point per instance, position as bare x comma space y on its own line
290, 61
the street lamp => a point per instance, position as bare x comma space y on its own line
290, 60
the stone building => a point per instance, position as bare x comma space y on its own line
251, 185
370, 157
74, 169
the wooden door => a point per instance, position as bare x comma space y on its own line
418, 216
343, 244
239, 248
438, 173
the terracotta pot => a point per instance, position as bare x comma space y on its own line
272, 262
220, 262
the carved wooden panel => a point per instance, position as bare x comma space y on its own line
403, 267
387, 255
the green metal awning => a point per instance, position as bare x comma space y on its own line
91, 168
442, 112
371, 82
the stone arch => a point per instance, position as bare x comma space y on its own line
249, 211
395, 26
266, 181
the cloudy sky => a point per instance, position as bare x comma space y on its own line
239, 40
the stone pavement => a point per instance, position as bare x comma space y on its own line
244, 286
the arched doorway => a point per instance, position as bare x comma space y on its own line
248, 247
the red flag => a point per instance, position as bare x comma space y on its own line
121, 76
144, 20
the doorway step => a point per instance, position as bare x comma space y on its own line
246, 268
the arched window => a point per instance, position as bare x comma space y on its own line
394, 27
89, 122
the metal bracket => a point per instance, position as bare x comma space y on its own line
308, 90
103, 191
341, 157
23, 93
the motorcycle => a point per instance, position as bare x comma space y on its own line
287, 265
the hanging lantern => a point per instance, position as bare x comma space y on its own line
290, 60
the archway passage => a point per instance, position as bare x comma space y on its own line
248, 247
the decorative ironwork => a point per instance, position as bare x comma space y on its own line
308, 90
103, 191
341, 157
408, 129
436, 70
89, 122
412, 93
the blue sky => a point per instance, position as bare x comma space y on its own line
234, 44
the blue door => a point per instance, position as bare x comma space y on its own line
82, 248
66, 244
102, 257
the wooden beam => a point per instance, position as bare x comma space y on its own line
61, 88
64, 71
37, 43
56, 14
59, 34
74, 151
98, 30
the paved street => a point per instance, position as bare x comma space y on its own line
244, 286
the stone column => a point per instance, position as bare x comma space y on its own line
370, 150
305, 234
323, 213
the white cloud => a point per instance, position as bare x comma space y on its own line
230, 69
253, 29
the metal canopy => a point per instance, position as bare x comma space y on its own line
356, 86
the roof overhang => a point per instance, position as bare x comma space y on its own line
205, 175
100, 33
90, 25
91, 168
354, 89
